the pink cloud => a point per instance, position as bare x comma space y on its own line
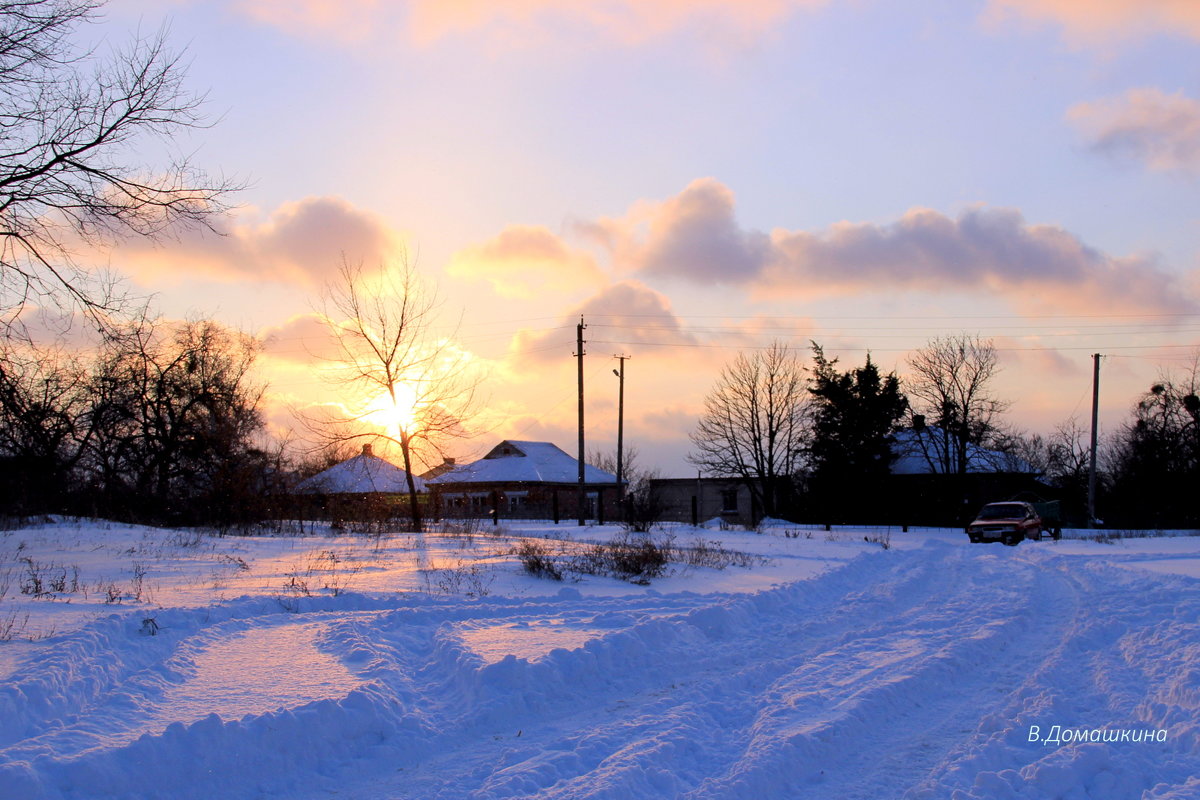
1038, 267
627, 21
301, 242
346, 21
427, 21
695, 237
1091, 21
1157, 129
623, 313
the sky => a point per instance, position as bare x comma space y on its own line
696, 178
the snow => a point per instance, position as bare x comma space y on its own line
515, 461
431, 666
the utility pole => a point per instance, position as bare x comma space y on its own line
620, 426
579, 355
1091, 498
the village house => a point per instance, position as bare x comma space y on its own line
526, 480
365, 486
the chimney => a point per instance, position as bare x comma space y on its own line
918, 422
367, 450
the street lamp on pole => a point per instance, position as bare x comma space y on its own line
620, 373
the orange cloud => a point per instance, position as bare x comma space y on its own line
1158, 129
1092, 21
525, 261
304, 338
300, 242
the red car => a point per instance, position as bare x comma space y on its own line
1010, 523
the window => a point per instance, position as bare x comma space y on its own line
729, 501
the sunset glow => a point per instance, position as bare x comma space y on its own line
393, 415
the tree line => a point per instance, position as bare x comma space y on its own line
156, 423
812, 439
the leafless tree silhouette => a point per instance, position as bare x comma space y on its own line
951, 385
755, 423
74, 169
385, 327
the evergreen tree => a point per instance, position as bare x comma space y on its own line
855, 414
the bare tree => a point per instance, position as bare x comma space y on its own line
73, 125
388, 348
630, 463
1068, 454
44, 394
157, 422
755, 424
951, 387
174, 411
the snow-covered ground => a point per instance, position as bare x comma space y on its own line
178, 665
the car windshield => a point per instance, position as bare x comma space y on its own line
1002, 511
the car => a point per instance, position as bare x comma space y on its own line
1010, 522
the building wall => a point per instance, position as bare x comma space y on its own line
728, 499
525, 501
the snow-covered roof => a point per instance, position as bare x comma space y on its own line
362, 474
917, 453
514, 461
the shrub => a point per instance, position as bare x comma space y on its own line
472, 580
643, 509
884, 540
629, 558
537, 560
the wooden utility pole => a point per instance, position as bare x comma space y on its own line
579, 355
1091, 497
620, 427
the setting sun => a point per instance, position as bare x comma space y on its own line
393, 416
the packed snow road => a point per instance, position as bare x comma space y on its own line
929, 670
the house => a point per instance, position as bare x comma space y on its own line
528, 480
926, 486
365, 473
363, 488
441, 469
929, 450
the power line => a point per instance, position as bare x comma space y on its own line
739, 346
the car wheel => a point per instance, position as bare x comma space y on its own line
1037, 535
1011, 539
974, 539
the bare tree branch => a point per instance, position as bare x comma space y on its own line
71, 173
